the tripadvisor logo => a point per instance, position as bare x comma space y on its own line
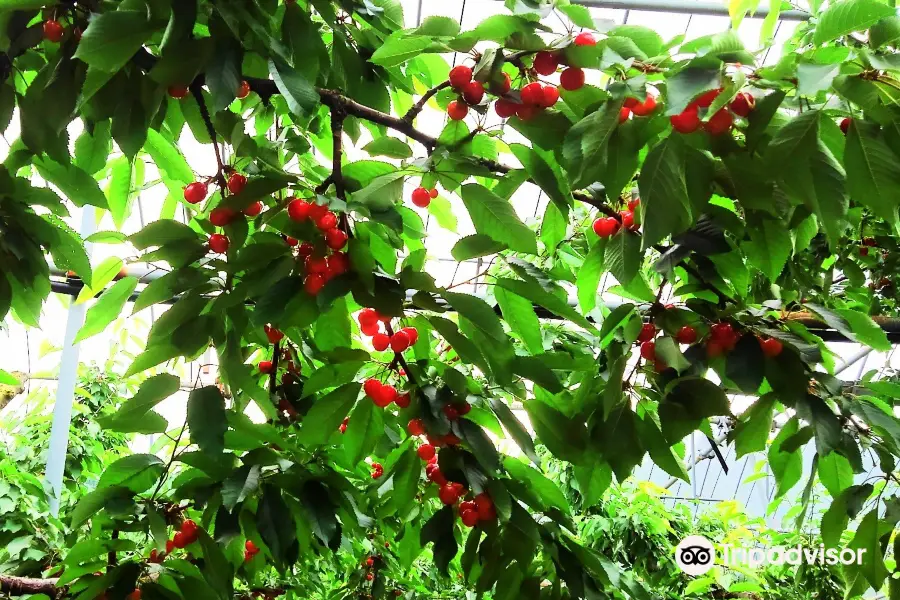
696, 555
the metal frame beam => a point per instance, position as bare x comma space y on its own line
690, 7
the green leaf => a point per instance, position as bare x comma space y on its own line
112, 38
474, 246
565, 437
593, 480
217, 571
844, 507
168, 158
132, 414
545, 176
885, 31
388, 146
206, 419
745, 365
856, 326
442, 211
400, 48
75, 183
323, 419
119, 190
738, 9
584, 148
439, 529
622, 256
675, 184
835, 473
331, 376
546, 490
752, 430
520, 316
137, 472
588, 278
808, 171
241, 484
482, 446
539, 296
868, 538
769, 247
275, 524
690, 401
787, 467
686, 85
90, 504
298, 92
515, 429
873, 170
846, 16
7, 379
438, 26
478, 312
493, 216
533, 369
364, 429
92, 148
107, 308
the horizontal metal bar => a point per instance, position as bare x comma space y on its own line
690, 7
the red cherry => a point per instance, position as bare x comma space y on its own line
265, 366
403, 400
170, 546
298, 210
135, 595
743, 104
448, 493
218, 243
527, 112
451, 412
686, 122
633, 204
646, 107
473, 93
189, 528
435, 475
291, 241
313, 283
707, 98
585, 39
180, 540
469, 518
550, 96
863, 251
342, 428
221, 216
533, 94
372, 387
421, 197
416, 427
370, 562
845, 125
572, 79
381, 341
457, 110
387, 395
460, 75
317, 211
236, 183
327, 221
648, 351
425, 451
376, 474
306, 249
627, 219
502, 88
335, 238
545, 63
686, 335
53, 31
451, 439
464, 408
273, 334
660, 365
316, 264
195, 192
624, 113
338, 263
648, 332
433, 193
368, 316
413, 334
719, 123
178, 91
631, 102
369, 329
714, 348
243, 90
771, 347
721, 331
370, 576
485, 507
505, 109
254, 209
606, 226
250, 547
399, 341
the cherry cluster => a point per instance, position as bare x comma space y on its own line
722, 339
637, 107
383, 394
480, 508
221, 216
377, 470
275, 336
606, 227
422, 197
184, 537
319, 269
471, 92
250, 550
688, 121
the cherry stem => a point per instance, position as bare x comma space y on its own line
197, 91
419, 106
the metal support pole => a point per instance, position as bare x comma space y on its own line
65, 390
690, 7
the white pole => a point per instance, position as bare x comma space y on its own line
65, 390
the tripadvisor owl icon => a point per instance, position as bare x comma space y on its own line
695, 555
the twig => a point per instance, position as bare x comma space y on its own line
197, 91
419, 106
273, 376
337, 131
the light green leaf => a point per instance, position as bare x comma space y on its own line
136, 472
873, 170
588, 278
846, 16
168, 158
389, 146
769, 247
300, 95
584, 148
493, 216
520, 316
474, 246
107, 309
112, 38
539, 296
75, 183
399, 48
326, 414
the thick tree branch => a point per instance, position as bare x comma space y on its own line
21, 586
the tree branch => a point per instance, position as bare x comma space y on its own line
419, 106
197, 92
21, 586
